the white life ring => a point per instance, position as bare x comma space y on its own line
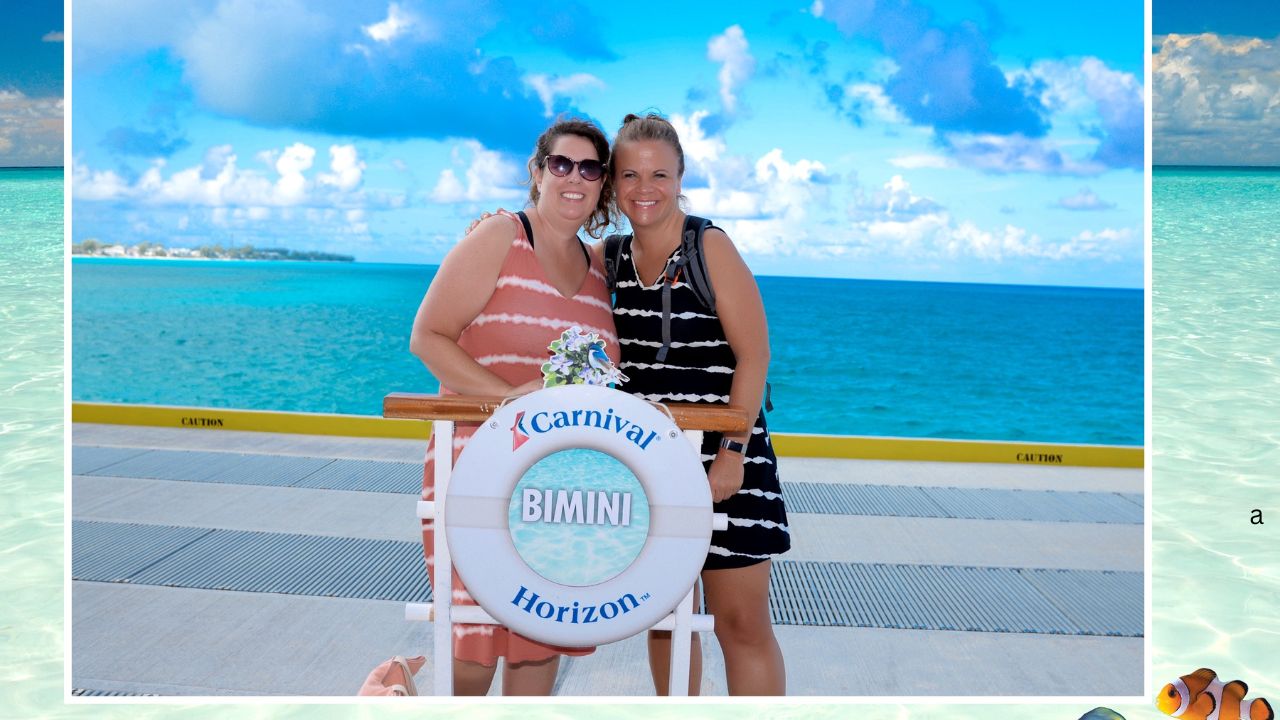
534, 426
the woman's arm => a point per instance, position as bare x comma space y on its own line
461, 288
745, 327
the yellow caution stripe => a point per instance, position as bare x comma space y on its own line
974, 451
252, 420
787, 444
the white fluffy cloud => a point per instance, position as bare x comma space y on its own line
893, 202
407, 69
1216, 100
874, 97
398, 22
219, 182
88, 184
549, 87
489, 176
30, 129
346, 166
772, 206
1107, 102
1086, 93
922, 160
1016, 154
1086, 199
895, 222
757, 199
737, 64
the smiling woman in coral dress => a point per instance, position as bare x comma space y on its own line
509, 288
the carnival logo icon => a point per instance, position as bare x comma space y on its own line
518, 434
544, 422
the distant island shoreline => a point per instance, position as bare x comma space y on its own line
155, 251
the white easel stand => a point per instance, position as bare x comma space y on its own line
682, 623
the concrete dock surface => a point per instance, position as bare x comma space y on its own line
1027, 580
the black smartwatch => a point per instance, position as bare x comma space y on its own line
733, 446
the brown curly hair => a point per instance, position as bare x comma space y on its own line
603, 215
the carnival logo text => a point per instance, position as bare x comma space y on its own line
577, 613
544, 422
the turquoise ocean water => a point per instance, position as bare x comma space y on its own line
849, 357
1216, 423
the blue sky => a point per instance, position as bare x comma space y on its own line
1253, 18
1216, 83
31, 105
954, 141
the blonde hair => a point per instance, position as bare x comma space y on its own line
651, 126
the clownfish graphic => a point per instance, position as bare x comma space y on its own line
1202, 696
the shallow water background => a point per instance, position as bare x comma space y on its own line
1216, 421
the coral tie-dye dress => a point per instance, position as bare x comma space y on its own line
509, 337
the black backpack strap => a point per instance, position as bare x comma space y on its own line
694, 270
699, 279
697, 275
668, 279
528, 229
612, 255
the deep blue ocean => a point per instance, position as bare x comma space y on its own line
850, 357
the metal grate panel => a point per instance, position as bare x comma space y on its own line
254, 469
939, 597
828, 594
801, 497
86, 458
249, 561
966, 503
115, 552
1125, 509
278, 470
901, 501
174, 465
1106, 507
1090, 598
369, 476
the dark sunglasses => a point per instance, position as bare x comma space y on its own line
560, 166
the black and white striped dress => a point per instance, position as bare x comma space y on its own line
699, 369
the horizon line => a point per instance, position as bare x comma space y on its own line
75, 257
1212, 166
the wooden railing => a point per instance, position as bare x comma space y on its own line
474, 408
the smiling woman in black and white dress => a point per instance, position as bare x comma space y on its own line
713, 357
